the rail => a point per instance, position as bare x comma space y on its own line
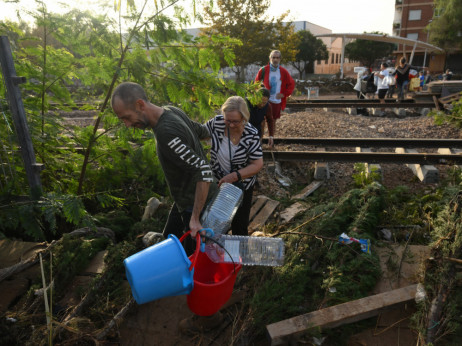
370, 142
358, 103
329, 156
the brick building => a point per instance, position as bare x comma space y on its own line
410, 21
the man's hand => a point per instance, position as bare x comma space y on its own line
195, 226
279, 96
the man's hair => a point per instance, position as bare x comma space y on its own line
128, 93
275, 51
385, 64
402, 60
236, 103
264, 92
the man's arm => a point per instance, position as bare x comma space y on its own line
202, 190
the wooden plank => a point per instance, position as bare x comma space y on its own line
258, 203
289, 213
289, 330
308, 190
437, 105
450, 98
264, 214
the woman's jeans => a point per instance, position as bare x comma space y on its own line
241, 218
402, 89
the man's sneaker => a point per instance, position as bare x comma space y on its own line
199, 324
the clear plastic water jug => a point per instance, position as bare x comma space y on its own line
219, 213
260, 251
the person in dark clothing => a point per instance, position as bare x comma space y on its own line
402, 77
187, 171
447, 75
371, 88
428, 77
260, 113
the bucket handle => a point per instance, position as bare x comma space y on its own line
213, 240
196, 252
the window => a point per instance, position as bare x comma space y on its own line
413, 36
332, 59
415, 14
438, 12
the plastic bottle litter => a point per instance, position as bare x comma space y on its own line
261, 251
365, 243
219, 213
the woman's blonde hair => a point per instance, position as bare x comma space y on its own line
236, 103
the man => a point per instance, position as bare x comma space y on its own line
180, 152
279, 81
382, 85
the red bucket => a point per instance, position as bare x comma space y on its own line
213, 284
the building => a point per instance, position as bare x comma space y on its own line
334, 46
329, 66
410, 21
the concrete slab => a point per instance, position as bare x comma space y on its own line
428, 174
370, 167
448, 151
401, 112
321, 169
352, 111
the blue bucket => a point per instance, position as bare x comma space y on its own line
161, 270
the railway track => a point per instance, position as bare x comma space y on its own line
370, 157
370, 142
329, 156
391, 103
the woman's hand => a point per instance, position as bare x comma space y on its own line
229, 178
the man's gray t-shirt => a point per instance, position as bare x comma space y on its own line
182, 156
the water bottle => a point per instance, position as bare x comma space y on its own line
260, 251
219, 213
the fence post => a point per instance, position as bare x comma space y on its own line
19, 117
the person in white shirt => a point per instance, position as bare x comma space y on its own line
382, 85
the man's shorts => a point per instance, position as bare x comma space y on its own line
276, 110
382, 93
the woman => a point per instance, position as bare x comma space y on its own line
236, 154
402, 77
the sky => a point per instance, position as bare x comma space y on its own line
340, 16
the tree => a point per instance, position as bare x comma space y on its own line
246, 21
309, 49
366, 51
446, 30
